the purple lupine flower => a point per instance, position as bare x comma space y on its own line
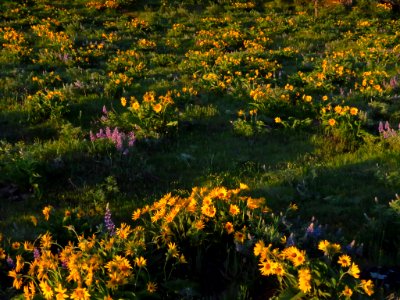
387, 125
350, 247
118, 143
393, 82
310, 230
100, 134
108, 133
78, 84
108, 222
64, 264
105, 112
290, 240
380, 128
10, 262
132, 138
115, 135
92, 136
36, 253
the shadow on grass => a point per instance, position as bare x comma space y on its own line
14, 126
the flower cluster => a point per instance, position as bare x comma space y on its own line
386, 131
172, 232
294, 269
121, 140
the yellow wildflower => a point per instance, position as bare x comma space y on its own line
344, 260
157, 108
17, 283
229, 227
124, 231
30, 291
151, 287
354, 111
140, 262
293, 254
46, 241
136, 214
367, 286
47, 291
354, 270
258, 248
61, 293
278, 269
135, 105
80, 294
2, 253
347, 292
16, 245
182, 259
172, 250
323, 245
46, 212
234, 209
19, 264
266, 267
123, 101
199, 225
208, 210
305, 280
34, 220
243, 186
338, 109
239, 237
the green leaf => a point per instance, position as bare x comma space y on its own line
290, 294
172, 123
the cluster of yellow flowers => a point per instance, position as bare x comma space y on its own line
146, 44
120, 79
369, 83
14, 41
291, 261
56, 37
129, 60
137, 23
102, 264
243, 5
149, 100
102, 4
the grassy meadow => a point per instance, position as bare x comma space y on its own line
199, 149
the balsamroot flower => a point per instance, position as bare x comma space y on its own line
305, 280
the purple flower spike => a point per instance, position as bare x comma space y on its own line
380, 128
132, 138
36, 253
105, 112
10, 262
108, 133
108, 222
92, 136
290, 240
310, 230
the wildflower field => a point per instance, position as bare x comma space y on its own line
199, 149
